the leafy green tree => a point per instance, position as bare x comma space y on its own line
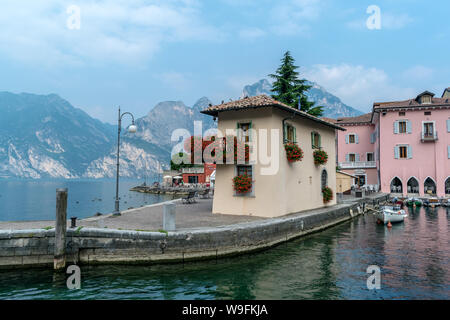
288, 88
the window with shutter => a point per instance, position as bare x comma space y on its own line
396, 127
315, 140
244, 131
402, 127
290, 133
351, 138
448, 125
409, 152
408, 126
403, 152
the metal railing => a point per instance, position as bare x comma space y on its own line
429, 136
357, 164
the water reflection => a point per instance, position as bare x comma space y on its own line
413, 257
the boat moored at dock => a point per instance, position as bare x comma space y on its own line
391, 214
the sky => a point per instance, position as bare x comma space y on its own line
135, 53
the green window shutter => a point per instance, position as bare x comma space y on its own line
448, 151
312, 140
448, 125
295, 134
320, 141
250, 131
346, 139
396, 127
408, 126
396, 152
285, 133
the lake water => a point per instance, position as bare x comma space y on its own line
414, 258
36, 199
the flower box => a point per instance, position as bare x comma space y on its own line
293, 152
320, 157
242, 184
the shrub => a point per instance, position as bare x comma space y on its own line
327, 194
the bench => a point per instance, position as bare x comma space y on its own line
190, 198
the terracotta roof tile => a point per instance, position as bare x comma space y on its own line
411, 103
365, 118
261, 101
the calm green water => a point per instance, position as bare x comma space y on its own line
413, 257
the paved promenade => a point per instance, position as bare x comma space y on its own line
148, 218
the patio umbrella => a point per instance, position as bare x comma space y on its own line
178, 177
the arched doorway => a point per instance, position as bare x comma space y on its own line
429, 186
413, 185
396, 185
324, 178
447, 186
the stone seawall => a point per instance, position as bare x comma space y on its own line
29, 248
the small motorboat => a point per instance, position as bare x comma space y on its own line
432, 202
414, 201
391, 214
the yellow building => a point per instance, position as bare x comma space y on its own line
344, 181
280, 187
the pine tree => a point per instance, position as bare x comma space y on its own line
288, 88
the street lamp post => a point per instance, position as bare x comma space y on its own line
132, 129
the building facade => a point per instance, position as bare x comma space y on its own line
402, 146
356, 149
196, 175
292, 187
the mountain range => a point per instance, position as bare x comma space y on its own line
333, 106
44, 136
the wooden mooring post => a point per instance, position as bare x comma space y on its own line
59, 261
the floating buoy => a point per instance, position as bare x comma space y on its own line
389, 225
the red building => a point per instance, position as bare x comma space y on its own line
198, 174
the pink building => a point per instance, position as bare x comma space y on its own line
402, 147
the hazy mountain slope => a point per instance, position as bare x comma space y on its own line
333, 106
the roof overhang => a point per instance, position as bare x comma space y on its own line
215, 113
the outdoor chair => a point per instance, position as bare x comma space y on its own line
190, 198
204, 194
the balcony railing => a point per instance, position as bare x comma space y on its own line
429, 136
193, 170
357, 164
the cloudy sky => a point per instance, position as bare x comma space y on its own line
136, 53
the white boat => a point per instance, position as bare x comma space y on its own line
391, 214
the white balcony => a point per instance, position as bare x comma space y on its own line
429, 136
358, 165
193, 170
